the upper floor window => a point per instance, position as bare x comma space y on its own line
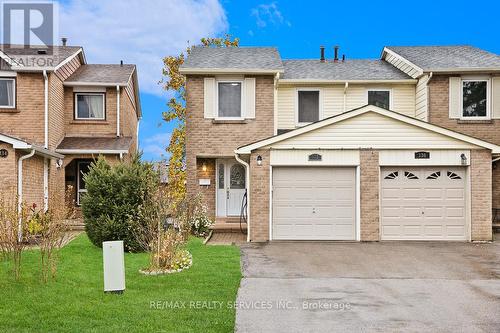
7, 93
308, 106
380, 98
90, 106
475, 103
229, 99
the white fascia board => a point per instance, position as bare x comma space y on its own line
95, 84
8, 59
91, 151
322, 81
368, 108
229, 71
461, 70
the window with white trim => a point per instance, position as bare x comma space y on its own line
90, 106
7, 93
229, 98
380, 98
308, 106
475, 99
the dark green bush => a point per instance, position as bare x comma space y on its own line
113, 207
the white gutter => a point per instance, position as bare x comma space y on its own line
185, 71
91, 151
247, 169
94, 84
117, 110
324, 81
275, 117
46, 108
345, 93
20, 192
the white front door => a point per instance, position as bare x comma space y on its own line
231, 184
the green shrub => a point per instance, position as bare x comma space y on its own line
114, 205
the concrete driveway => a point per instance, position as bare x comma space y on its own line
381, 287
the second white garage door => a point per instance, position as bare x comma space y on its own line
423, 203
314, 203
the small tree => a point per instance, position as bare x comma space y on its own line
176, 82
115, 204
14, 233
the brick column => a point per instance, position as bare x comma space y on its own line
481, 195
369, 169
259, 197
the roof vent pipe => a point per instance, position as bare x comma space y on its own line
336, 53
343, 57
64, 41
121, 62
322, 53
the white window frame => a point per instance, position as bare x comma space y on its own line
90, 94
380, 89
242, 114
320, 103
13, 92
488, 97
79, 191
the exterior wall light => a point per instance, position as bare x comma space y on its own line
464, 159
259, 160
204, 167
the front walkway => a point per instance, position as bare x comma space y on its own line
381, 287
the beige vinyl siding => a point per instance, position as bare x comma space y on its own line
403, 100
371, 130
421, 100
286, 107
402, 65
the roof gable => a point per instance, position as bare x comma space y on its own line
370, 127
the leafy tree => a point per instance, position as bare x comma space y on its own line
176, 82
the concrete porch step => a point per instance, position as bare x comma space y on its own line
75, 225
223, 227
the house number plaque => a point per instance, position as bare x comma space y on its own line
422, 155
4, 153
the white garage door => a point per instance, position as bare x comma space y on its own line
314, 203
423, 203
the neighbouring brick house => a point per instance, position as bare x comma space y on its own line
57, 114
400, 148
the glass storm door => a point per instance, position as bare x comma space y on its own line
231, 184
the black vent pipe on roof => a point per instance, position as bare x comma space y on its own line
322, 53
336, 53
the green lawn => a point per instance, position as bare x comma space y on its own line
76, 301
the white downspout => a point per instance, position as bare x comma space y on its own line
137, 135
117, 110
20, 192
345, 93
247, 169
46, 107
45, 183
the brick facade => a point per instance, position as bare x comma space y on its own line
439, 114
481, 195
259, 196
207, 139
26, 122
369, 188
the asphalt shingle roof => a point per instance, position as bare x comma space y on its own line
55, 54
447, 57
112, 74
264, 58
355, 69
95, 143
